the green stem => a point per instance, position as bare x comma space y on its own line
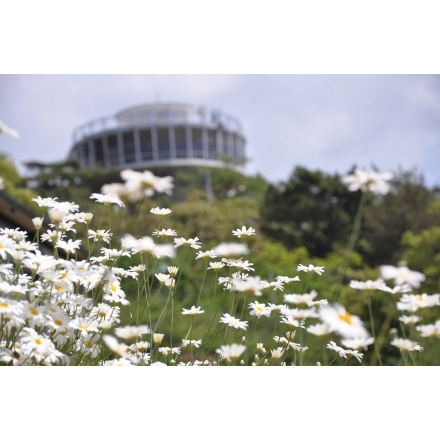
373, 332
202, 284
352, 242
383, 331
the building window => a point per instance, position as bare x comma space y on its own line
113, 154
197, 141
180, 140
146, 145
220, 136
129, 151
212, 146
227, 144
85, 154
163, 143
239, 146
99, 153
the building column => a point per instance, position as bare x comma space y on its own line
137, 145
105, 151
120, 142
205, 154
219, 144
172, 138
92, 155
154, 142
189, 144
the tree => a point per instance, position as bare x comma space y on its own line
404, 208
67, 180
312, 209
421, 251
13, 183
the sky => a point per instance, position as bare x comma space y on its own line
327, 122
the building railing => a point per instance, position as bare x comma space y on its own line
157, 115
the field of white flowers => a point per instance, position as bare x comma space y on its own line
58, 309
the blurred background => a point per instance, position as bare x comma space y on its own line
321, 121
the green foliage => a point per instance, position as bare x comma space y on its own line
214, 184
316, 210
214, 222
14, 185
311, 209
9, 172
68, 181
423, 254
405, 208
272, 258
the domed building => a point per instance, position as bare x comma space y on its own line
161, 135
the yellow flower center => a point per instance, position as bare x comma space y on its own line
33, 311
38, 341
4, 305
83, 327
346, 317
58, 322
